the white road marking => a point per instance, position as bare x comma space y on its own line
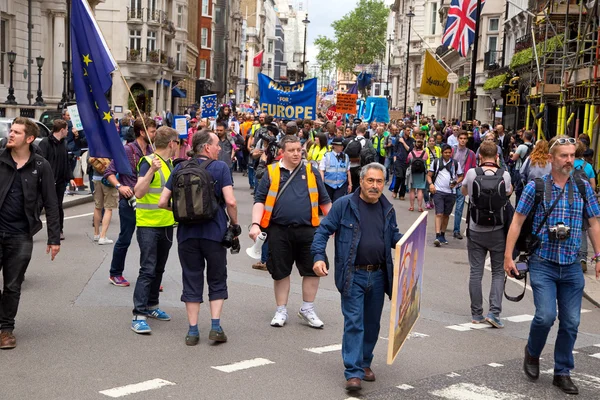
136, 388
520, 318
585, 310
459, 328
468, 391
469, 326
405, 387
452, 375
575, 352
417, 335
597, 355
238, 366
352, 398
75, 216
325, 349
597, 345
495, 365
383, 338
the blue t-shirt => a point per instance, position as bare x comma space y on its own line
214, 229
586, 166
371, 247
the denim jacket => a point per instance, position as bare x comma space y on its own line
344, 220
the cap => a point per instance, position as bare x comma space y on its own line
193, 120
357, 121
338, 141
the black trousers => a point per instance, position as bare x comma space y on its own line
355, 176
60, 195
15, 254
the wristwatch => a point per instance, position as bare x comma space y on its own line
118, 185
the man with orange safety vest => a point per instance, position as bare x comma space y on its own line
286, 206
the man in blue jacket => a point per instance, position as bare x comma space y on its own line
363, 267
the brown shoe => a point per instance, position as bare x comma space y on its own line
369, 375
7, 340
353, 385
260, 266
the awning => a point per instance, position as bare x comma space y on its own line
176, 92
165, 82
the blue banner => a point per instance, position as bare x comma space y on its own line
208, 105
281, 100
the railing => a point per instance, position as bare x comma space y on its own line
491, 60
146, 55
154, 16
134, 14
133, 54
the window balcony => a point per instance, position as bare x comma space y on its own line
134, 55
134, 15
153, 17
491, 60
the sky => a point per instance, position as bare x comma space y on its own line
321, 14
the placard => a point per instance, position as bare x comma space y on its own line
181, 126
75, 118
346, 103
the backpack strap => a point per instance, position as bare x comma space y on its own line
205, 163
581, 188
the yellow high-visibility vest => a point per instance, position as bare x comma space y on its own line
147, 213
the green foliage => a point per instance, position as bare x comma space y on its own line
526, 56
463, 81
359, 35
327, 52
495, 82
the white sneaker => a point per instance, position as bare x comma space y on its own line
310, 316
96, 238
279, 318
105, 241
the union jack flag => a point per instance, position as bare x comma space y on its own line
460, 27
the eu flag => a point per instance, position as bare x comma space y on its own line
93, 65
208, 106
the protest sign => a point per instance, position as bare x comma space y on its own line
75, 118
346, 103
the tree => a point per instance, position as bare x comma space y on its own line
327, 52
360, 35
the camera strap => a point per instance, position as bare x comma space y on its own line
547, 213
518, 298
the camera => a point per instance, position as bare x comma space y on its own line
523, 269
132, 202
560, 231
453, 182
231, 240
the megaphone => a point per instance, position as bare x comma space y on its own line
256, 250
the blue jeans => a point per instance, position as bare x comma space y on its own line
155, 244
551, 284
362, 315
458, 210
127, 222
251, 176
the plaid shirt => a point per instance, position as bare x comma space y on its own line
562, 252
134, 154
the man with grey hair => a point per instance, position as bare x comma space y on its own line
364, 268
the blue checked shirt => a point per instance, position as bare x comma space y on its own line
563, 252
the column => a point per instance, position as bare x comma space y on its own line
395, 91
58, 55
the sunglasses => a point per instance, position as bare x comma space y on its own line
562, 141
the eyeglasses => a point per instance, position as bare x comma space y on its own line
562, 141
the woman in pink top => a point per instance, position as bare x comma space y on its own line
417, 160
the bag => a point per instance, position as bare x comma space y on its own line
579, 174
489, 198
417, 164
368, 154
436, 168
194, 198
99, 164
529, 150
353, 148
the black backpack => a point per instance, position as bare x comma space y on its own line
489, 198
417, 165
450, 167
579, 173
368, 154
353, 148
194, 198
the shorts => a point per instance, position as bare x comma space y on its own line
105, 197
288, 245
444, 202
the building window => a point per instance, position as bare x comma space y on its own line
151, 6
270, 48
3, 40
217, 15
135, 39
493, 25
202, 69
434, 12
205, 7
136, 5
180, 16
218, 72
151, 40
492, 43
178, 58
204, 37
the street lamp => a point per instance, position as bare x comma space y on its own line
64, 99
12, 57
433, 100
305, 21
410, 16
39, 101
387, 82
232, 98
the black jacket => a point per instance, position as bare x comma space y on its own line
55, 151
38, 189
75, 145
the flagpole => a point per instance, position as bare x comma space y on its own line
434, 53
471, 113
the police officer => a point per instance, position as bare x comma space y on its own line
286, 204
335, 170
154, 228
